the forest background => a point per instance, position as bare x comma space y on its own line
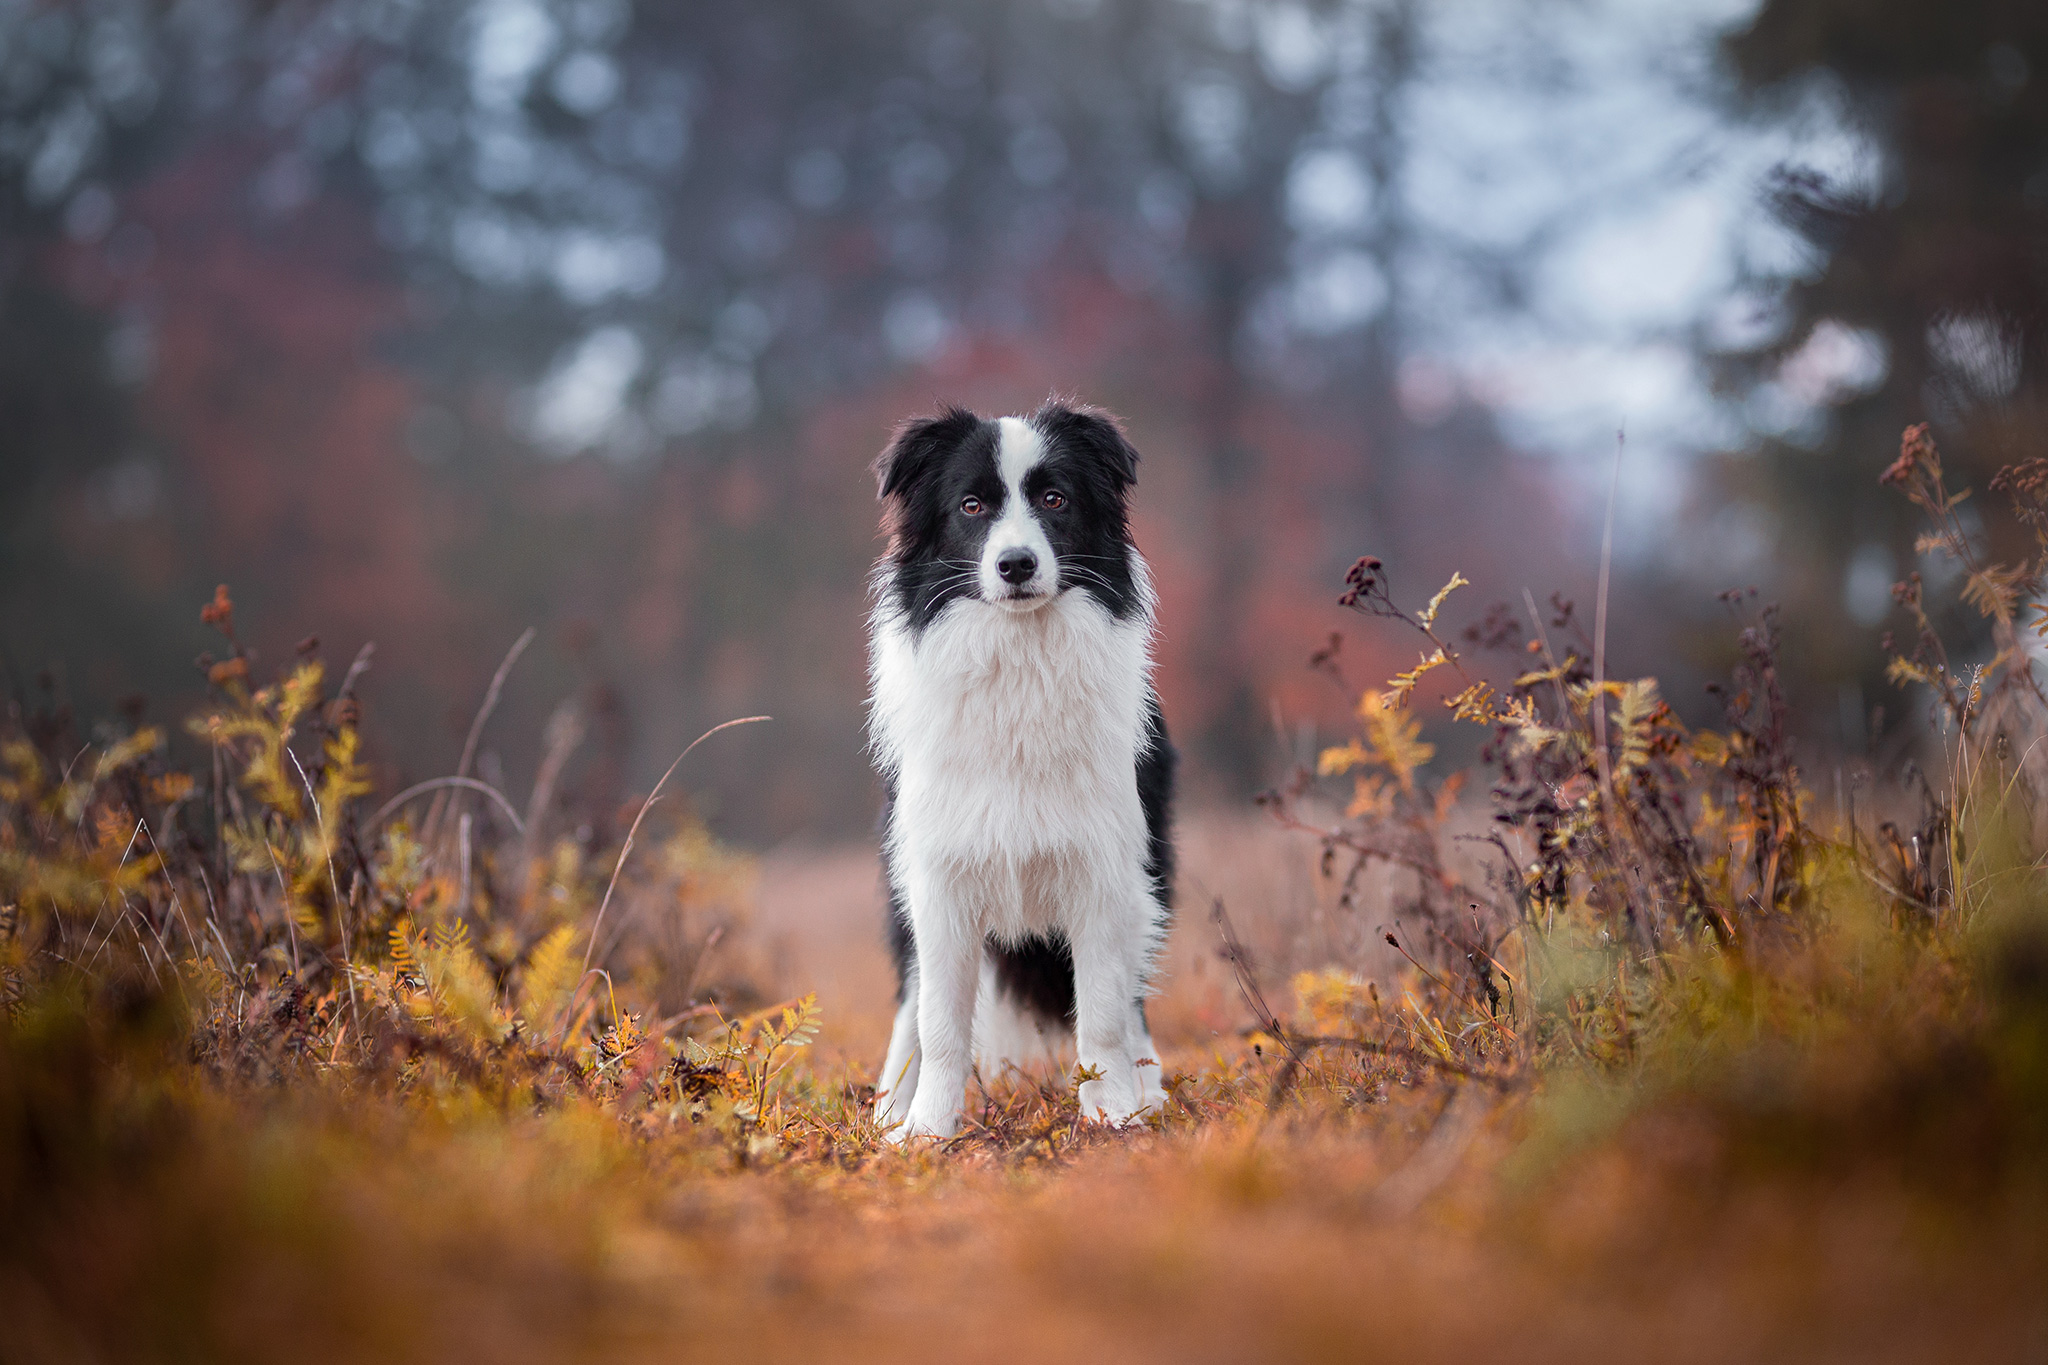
425, 324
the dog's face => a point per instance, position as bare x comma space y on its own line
1010, 512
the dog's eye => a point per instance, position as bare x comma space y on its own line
1053, 499
971, 506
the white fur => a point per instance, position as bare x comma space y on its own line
1012, 733
1020, 448
1005, 1034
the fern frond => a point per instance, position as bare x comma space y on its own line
1395, 738
1436, 603
551, 974
1474, 704
1401, 684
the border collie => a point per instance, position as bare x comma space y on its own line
1024, 758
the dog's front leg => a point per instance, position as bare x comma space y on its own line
1108, 978
948, 971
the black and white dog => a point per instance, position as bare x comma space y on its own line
1025, 759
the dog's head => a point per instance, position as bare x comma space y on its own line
1009, 511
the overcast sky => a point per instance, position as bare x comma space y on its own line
1618, 135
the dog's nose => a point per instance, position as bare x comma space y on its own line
1016, 566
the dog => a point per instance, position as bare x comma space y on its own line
1027, 774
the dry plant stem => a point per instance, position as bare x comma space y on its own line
1298, 1046
1600, 628
340, 906
1549, 657
476, 729
128, 908
563, 733
1395, 944
356, 669
171, 885
1419, 866
1639, 918
619, 866
1241, 971
284, 901
220, 815
213, 916
142, 948
115, 926
384, 811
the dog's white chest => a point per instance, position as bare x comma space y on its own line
1013, 739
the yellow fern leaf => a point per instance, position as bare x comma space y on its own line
1901, 671
1475, 704
300, 691
405, 962
1333, 999
343, 781
127, 751
1342, 759
461, 986
1370, 796
1710, 748
551, 974
1436, 603
1395, 738
1401, 684
1996, 591
1637, 714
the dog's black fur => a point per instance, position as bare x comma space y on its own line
935, 462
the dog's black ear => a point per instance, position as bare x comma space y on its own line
1093, 433
919, 445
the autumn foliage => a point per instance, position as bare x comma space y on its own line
1678, 1051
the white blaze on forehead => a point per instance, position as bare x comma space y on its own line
1019, 448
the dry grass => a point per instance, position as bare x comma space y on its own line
1648, 1062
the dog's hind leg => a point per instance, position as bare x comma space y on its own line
1011, 1032
1151, 1094
897, 1084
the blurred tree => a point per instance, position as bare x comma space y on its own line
560, 291
1924, 296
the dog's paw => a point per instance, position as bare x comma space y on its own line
891, 1114
1102, 1102
1151, 1094
917, 1128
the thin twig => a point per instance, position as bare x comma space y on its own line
1298, 1045
435, 783
634, 829
563, 733
172, 885
476, 729
334, 887
212, 921
103, 901
360, 666
1598, 702
285, 901
1600, 633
